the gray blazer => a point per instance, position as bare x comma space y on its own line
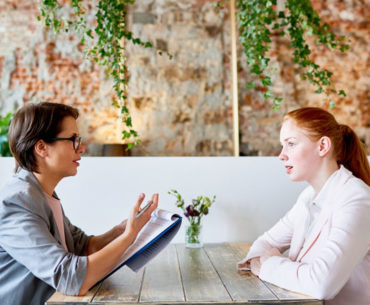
33, 261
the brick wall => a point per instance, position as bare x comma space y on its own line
180, 106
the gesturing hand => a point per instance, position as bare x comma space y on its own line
134, 225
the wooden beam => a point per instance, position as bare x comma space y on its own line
234, 79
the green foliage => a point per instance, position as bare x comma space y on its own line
4, 129
104, 44
196, 210
259, 19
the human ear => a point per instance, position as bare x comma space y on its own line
324, 146
41, 149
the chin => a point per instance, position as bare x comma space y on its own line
295, 178
71, 173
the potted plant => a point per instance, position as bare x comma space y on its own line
4, 129
193, 212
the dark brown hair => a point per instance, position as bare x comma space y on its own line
348, 149
34, 122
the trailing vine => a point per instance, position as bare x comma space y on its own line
104, 43
258, 19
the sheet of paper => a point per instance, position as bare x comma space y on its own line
160, 220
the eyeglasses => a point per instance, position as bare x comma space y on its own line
76, 140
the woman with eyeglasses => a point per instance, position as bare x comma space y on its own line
40, 250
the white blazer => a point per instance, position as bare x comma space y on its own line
333, 262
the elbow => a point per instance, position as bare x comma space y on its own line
323, 291
322, 295
319, 295
82, 292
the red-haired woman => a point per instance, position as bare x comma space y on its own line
327, 231
40, 250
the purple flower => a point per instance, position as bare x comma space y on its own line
190, 211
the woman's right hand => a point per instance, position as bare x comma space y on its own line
255, 265
134, 225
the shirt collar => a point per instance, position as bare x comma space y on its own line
321, 196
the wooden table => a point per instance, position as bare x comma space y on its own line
180, 275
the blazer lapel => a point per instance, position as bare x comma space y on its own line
314, 235
299, 234
329, 199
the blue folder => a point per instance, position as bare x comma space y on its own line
150, 250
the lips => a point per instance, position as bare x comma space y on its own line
288, 169
76, 162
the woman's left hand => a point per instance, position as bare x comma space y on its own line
121, 227
269, 253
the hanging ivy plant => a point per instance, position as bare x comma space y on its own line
258, 19
104, 43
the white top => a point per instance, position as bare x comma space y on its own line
332, 260
55, 206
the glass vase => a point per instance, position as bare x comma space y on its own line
193, 236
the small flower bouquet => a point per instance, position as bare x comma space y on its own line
194, 213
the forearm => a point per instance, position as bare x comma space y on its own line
104, 260
116, 241
97, 243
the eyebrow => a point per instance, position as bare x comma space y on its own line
75, 134
287, 139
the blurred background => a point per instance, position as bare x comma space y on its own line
180, 106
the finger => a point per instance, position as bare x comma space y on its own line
155, 202
253, 267
136, 207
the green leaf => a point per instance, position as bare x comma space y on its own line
318, 91
250, 85
266, 81
268, 94
277, 100
341, 92
88, 33
124, 109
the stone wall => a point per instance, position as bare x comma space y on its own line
180, 106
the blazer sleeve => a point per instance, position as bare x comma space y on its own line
346, 246
26, 237
279, 236
80, 239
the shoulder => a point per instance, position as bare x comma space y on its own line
351, 188
21, 191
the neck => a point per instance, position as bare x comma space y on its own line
47, 182
326, 169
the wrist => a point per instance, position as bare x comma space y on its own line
118, 230
128, 236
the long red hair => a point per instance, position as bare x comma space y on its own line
348, 149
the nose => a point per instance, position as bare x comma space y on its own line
282, 155
82, 148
